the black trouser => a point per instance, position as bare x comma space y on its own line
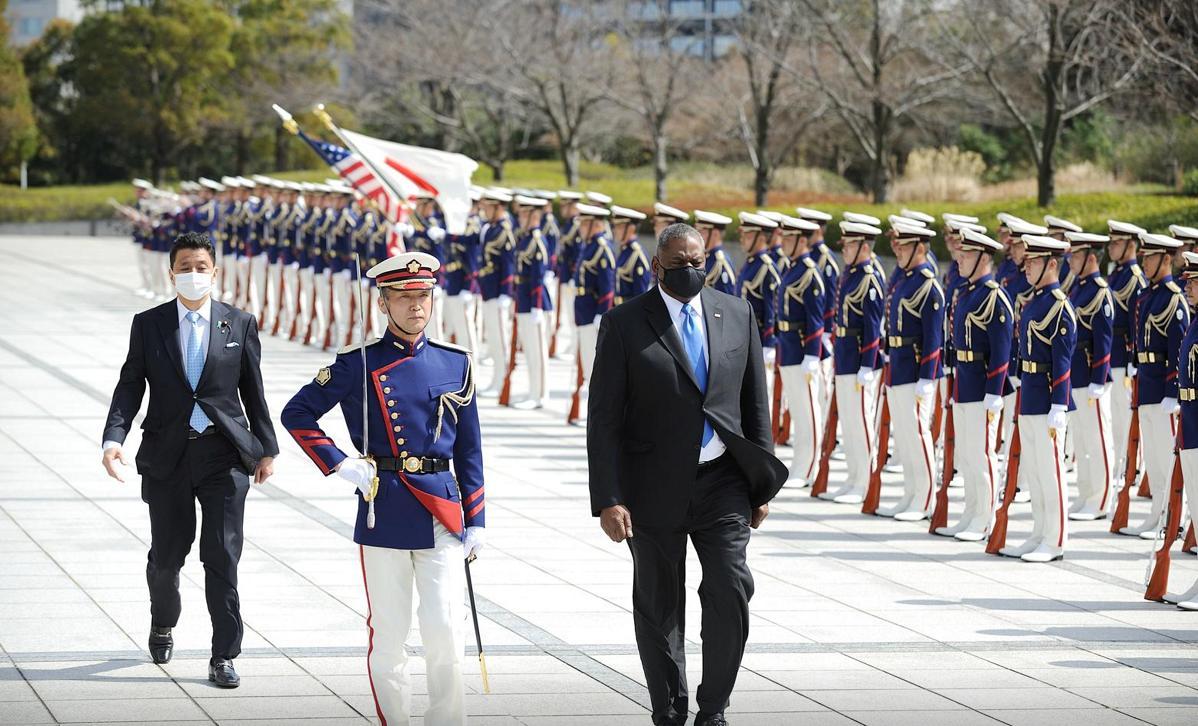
210, 471
718, 524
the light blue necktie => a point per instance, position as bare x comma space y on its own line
692, 339
195, 366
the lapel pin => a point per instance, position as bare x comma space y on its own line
716, 314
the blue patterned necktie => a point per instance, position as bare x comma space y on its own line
195, 366
692, 339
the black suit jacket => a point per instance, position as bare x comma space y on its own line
231, 376
645, 412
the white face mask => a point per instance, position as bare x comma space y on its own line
193, 285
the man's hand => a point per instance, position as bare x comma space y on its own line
264, 470
616, 522
111, 455
358, 472
474, 541
759, 515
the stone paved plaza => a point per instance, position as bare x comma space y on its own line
855, 620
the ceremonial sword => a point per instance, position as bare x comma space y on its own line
374, 481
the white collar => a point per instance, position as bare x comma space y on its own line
205, 310
675, 306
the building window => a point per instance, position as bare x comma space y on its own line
722, 44
727, 8
687, 8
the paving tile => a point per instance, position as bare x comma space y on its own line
1141, 697
275, 707
983, 699
882, 700
134, 709
921, 718
1088, 716
22, 712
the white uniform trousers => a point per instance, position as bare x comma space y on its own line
977, 461
1008, 422
588, 339
258, 268
459, 320
1042, 466
342, 289
243, 282
378, 319
307, 291
1120, 418
323, 283
806, 420
1157, 433
439, 578
497, 337
855, 409
218, 281
436, 321
163, 285
566, 330
530, 329
290, 298
144, 263
273, 297
1189, 474
1093, 450
827, 368
911, 426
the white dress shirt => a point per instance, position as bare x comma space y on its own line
715, 447
205, 323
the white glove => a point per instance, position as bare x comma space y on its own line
405, 229
466, 294
1131, 368
358, 472
505, 300
1014, 382
865, 376
810, 364
1096, 390
924, 387
436, 234
538, 315
770, 355
993, 402
826, 338
1057, 418
1169, 405
474, 542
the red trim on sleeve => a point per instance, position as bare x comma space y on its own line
1101, 361
819, 332
998, 371
477, 493
930, 357
1060, 380
474, 512
1170, 375
871, 345
310, 449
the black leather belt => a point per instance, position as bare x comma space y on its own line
192, 434
968, 356
1150, 356
412, 464
1028, 366
785, 326
901, 341
843, 332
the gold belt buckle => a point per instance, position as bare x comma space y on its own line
412, 465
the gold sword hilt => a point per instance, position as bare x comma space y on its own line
374, 491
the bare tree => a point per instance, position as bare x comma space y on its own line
876, 64
1167, 31
1048, 61
656, 68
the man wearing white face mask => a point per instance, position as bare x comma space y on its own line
201, 359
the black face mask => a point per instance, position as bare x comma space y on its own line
685, 282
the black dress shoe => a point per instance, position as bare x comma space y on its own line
220, 672
162, 644
710, 719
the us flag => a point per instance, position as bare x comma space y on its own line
357, 173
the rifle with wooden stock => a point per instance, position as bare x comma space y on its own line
873, 493
998, 533
1123, 498
1156, 579
939, 516
820, 485
505, 395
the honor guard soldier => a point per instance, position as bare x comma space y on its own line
495, 279
306, 254
273, 222
774, 246
826, 262
856, 351
1047, 332
1188, 237
1160, 322
363, 233
428, 236
322, 264
565, 266
1057, 228
595, 284
800, 331
1090, 377
243, 232
1019, 290
875, 264
255, 250
289, 258
461, 270
227, 251
341, 267
758, 279
1126, 281
664, 215
142, 237
533, 304
720, 275
982, 327
1187, 433
632, 267
409, 406
915, 336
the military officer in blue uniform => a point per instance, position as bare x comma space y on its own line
1057, 228
664, 215
1160, 321
633, 275
718, 267
1126, 281
496, 276
428, 236
461, 286
1188, 237
533, 304
856, 346
800, 331
422, 472
256, 244
758, 279
1046, 337
915, 337
341, 264
564, 266
830, 270
594, 284
1090, 378
289, 259
226, 251
1187, 432
774, 246
982, 326
323, 258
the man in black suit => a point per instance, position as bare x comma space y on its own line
201, 359
678, 440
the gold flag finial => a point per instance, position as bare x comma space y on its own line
323, 115
288, 120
